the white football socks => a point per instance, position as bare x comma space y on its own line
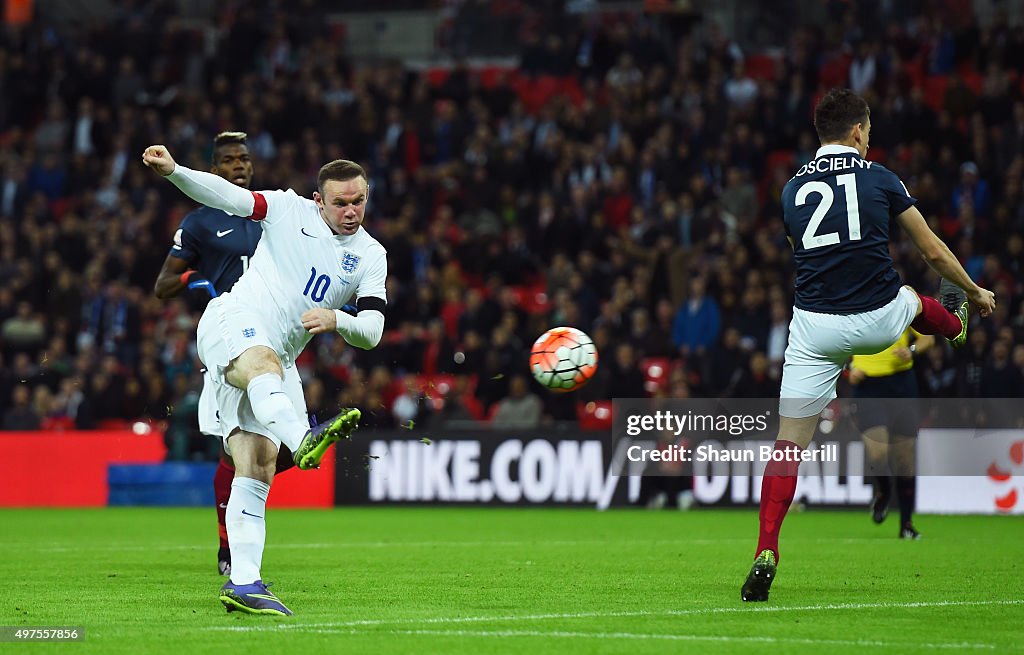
272, 407
247, 528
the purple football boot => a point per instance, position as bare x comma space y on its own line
252, 598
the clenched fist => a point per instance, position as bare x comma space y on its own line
984, 300
159, 159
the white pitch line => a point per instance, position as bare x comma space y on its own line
394, 544
398, 544
861, 643
614, 614
573, 543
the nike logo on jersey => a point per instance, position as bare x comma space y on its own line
252, 515
225, 232
307, 233
223, 505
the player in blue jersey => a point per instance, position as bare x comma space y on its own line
211, 250
849, 297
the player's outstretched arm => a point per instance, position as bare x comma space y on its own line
205, 188
943, 261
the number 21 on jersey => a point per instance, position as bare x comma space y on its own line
810, 237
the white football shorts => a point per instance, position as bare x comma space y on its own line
821, 344
221, 337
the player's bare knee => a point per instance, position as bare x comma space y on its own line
252, 363
797, 430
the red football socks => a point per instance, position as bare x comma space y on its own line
778, 486
936, 319
222, 490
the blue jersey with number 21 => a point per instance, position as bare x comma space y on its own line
837, 210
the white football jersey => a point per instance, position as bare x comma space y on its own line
300, 264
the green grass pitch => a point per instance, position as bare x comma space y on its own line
452, 580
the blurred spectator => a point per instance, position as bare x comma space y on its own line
697, 323
520, 410
624, 76
729, 364
21, 415
459, 406
755, 381
973, 190
778, 338
625, 378
999, 377
740, 89
864, 68
739, 197
25, 331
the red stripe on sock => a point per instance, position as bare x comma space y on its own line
778, 486
936, 319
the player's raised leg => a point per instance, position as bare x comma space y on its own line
319, 438
948, 317
255, 459
258, 370
954, 300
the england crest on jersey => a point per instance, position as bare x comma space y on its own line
349, 262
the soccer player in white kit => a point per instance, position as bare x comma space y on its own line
314, 257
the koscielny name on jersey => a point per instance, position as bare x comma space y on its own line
832, 164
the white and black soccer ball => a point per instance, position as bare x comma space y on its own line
563, 359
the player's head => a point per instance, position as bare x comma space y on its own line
231, 158
341, 195
843, 117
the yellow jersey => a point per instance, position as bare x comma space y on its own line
885, 362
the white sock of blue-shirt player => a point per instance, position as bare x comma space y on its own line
247, 528
272, 407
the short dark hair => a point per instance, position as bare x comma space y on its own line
837, 113
228, 139
340, 170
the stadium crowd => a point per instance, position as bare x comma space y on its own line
624, 180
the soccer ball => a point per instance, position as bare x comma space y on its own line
563, 359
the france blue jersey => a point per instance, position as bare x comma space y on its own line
837, 210
216, 244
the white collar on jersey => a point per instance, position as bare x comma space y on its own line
835, 149
345, 239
